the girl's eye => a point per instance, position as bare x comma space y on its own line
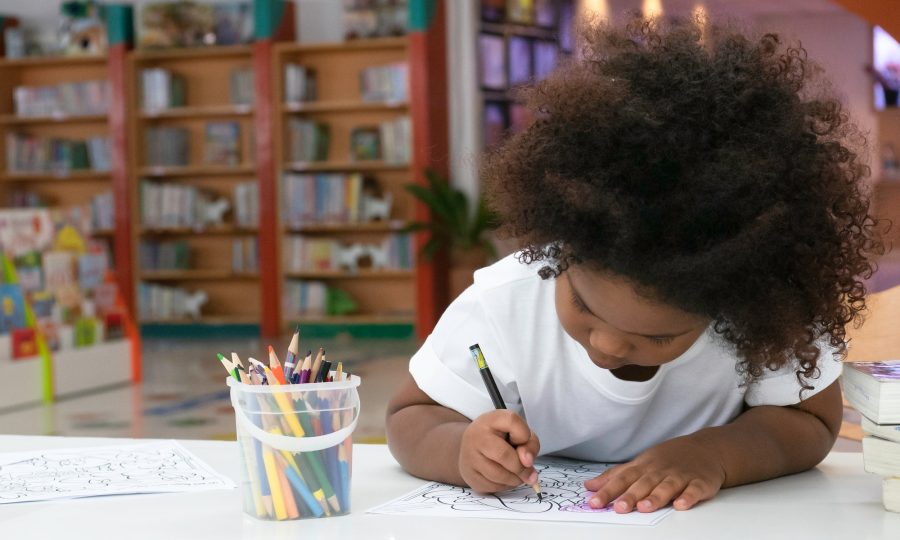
579, 305
661, 340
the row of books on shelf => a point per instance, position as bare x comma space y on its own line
103, 212
66, 99
163, 89
299, 83
390, 141
873, 389
301, 298
174, 206
388, 83
99, 213
33, 153
168, 146
246, 204
304, 254
245, 255
160, 302
332, 198
170, 255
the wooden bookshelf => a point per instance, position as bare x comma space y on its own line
233, 296
385, 296
57, 187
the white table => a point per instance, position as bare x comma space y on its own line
836, 500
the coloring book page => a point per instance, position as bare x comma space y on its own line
158, 467
562, 487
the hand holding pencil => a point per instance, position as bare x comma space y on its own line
498, 448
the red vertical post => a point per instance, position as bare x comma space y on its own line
264, 109
428, 107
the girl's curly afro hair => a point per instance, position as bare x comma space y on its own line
716, 172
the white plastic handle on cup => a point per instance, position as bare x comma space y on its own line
291, 444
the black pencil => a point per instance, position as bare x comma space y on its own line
494, 392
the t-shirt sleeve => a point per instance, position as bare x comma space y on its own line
781, 387
444, 369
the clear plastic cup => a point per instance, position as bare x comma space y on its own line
296, 444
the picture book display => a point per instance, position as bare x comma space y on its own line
156, 467
563, 498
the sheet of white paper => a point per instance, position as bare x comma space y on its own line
562, 488
157, 467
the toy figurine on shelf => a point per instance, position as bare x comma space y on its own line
81, 30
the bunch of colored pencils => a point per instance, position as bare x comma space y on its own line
287, 485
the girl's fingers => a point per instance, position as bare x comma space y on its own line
664, 492
600, 480
696, 491
616, 484
638, 490
498, 475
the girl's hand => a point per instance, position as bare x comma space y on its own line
488, 462
683, 469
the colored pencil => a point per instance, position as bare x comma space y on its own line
317, 363
305, 368
290, 361
275, 366
494, 392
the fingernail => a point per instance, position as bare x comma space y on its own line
621, 505
533, 477
595, 502
679, 503
645, 504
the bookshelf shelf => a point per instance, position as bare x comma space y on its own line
226, 230
200, 111
337, 228
353, 46
194, 275
197, 170
362, 274
342, 106
344, 166
362, 318
220, 319
193, 53
104, 233
75, 176
14, 120
53, 61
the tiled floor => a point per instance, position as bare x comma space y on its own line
183, 395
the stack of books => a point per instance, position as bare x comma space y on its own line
384, 83
222, 143
299, 83
166, 146
161, 89
322, 198
308, 140
67, 99
32, 153
242, 86
171, 255
245, 255
873, 389
246, 204
166, 206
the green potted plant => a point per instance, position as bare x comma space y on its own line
455, 226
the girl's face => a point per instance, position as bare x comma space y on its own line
616, 326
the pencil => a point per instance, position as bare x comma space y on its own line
306, 368
494, 392
339, 372
290, 361
317, 363
275, 366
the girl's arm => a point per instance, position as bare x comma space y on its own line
762, 443
494, 452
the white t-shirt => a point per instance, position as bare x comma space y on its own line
578, 409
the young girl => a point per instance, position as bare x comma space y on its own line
694, 237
